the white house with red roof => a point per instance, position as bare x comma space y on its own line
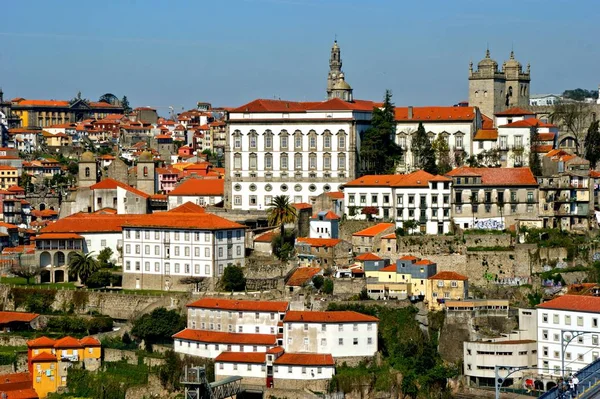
161, 249
200, 191
570, 315
324, 224
457, 125
111, 193
418, 196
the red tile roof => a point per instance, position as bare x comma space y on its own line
486, 122
241, 357
188, 207
112, 184
59, 236
424, 262
226, 338
302, 205
276, 349
12, 317
391, 236
530, 122
43, 214
201, 187
328, 216
319, 242
516, 111
240, 305
448, 276
15, 383
388, 268
26, 393
342, 316
368, 256
546, 136
44, 357
265, 105
67, 342
543, 149
335, 194
89, 341
436, 114
266, 237
594, 174
498, 176
193, 221
41, 342
302, 275
90, 223
419, 178
374, 230
486, 134
305, 359
575, 303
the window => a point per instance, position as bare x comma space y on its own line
355, 341
545, 317
568, 320
312, 141
298, 161
580, 321
268, 161
340, 327
253, 161
341, 161
268, 139
554, 319
545, 334
147, 266
340, 341
284, 141
595, 340
237, 161
312, 161
369, 341
459, 141
327, 141
341, 141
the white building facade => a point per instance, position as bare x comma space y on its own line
418, 196
161, 249
296, 149
340, 333
569, 315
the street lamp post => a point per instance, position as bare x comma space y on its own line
564, 342
499, 380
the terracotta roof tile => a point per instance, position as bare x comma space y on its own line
516, 111
435, 114
89, 341
448, 276
276, 349
391, 236
266, 237
241, 357
486, 134
44, 357
388, 268
112, 184
424, 262
305, 359
90, 223
266, 105
530, 122
188, 207
319, 242
59, 236
41, 342
240, 305
193, 221
67, 342
419, 178
369, 256
11, 317
343, 316
328, 216
226, 338
575, 303
374, 230
498, 176
335, 194
302, 275
486, 122
26, 393
201, 187
302, 205
542, 149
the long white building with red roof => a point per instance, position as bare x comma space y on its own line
267, 344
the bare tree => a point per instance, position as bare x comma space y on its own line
573, 117
193, 280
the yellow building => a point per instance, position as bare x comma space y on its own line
50, 360
446, 286
45, 374
56, 140
9, 176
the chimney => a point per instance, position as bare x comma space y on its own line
410, 112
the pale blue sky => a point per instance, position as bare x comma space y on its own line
229, 52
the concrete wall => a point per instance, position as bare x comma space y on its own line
348, 286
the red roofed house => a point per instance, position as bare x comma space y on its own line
17, 386
457, 125
418, 196
199, 191
369, 239
155, 257
323, 252
324, 224
111, 193
301, 277
167, 178
493, 198
14, 321
444, 286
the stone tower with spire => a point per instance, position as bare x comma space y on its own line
494, 90
337, 87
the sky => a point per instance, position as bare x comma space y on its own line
163, 53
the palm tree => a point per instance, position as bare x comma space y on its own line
83, 266
281, 212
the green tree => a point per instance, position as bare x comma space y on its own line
318, 281
592, 145
25, 181
125, 104
410, 225
25, 271
104, 257
580, 94
83, 266
158, 326
283, 248
233, 278
281, 212
442, 154
423, 152
99, 279
327, 286
379, 152
535, 163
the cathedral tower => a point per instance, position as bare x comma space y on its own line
517, 83
337, 87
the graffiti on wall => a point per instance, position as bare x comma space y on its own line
489, 224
